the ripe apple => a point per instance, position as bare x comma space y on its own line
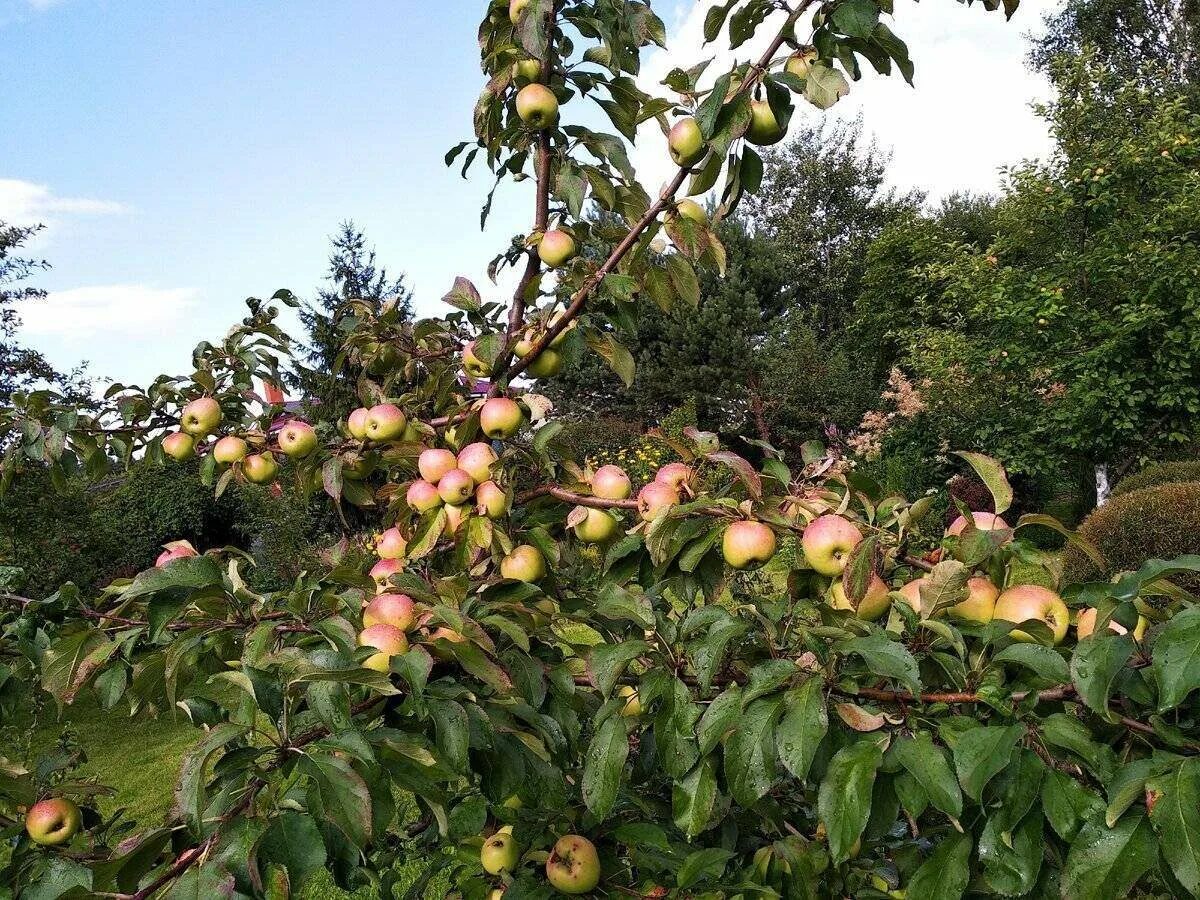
229, 449
871, 607
675, 474
1031, 601
390, 609
526, 71
491, 500
980, 604
747, 545
423, 496
391, 544
454, 518
385, 422
525, 563
500, 853
685, 142
179, 445
515, 8
173, 551
764, 127
537, 106
456, 487
656, 498
387, 639
297, 439
53, 821
611, 483
382, 572
476, 460
356, 424
800, 62
984, 521
434, 463
633, 704
827, 542
597, 527
690, 209
200, 416
473, 365
499, 418
260, 468
556, 247
574, 865
911, 593
1085, 625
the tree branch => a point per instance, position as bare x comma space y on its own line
552, 490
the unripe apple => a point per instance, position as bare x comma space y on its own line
827, 542
558, 339
356, 424
390, 609
500, 418
764, 127
873, 605
1085, 625
173, 551
358, 466
385, 422
200, 416
676, 474
515, 8
611, 483
911, 593
556, 247
179, 446
525, 563
747, 544
546, 364
491, 500
537, 106
297, 439
423, 496
1030, 601
260, 468
391, 544
476, 460
597, 527
456, 487
53, 821
434, 463
633, 704
229, 449
388, 640
984, 521
500, 853
685, 142
574, 865
382, 572
980, 605
473, 365
800, 62
656, 498
526, 71
690, 209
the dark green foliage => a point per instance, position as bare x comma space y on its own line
1159, 473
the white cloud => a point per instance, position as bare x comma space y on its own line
112, 311
26, 203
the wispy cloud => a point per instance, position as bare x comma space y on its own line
133, 312
27, 203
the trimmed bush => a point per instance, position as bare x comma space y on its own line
1159, 473
1157, 522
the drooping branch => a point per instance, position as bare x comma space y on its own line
551, 490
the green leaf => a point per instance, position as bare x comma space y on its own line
825, 85
675, 730
683, 279
187, 572
694, 796
71, 661
750, 752
929, 765
803, 727
766, 678
855, 18
945, 874
1012, 871
1176, 818
991, 473
1065, 731
944, 587
1045, 662
884, 657
1095, 665
1129, 784
1175, 659
453, 733
603, 766
343, 795
844, 797
606, 663
189, 790
1067, 803
981, 753
1104, 863
463, 295
62, 877
1081, 544
720, 718
1015, 792
293, 841
707, 863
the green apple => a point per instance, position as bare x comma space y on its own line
52, 822
873, 605
526, 71
690, 209
556, 248
391, 544
574, 865
473, 365
260, 468
827, 542
435, 462
537, 106
388, 640
747, 545
179, 445
397, 610
491, 500
685, 142
385, 422
656, 498
297, 439
476, 460
611, 483
800, 62
200, 416
596, 527
515, 8
423, 496
980, 605
456, 487
230, 449
525, 563
633, 704
1024, 602
547, 364
500, 418
764, 127
358, 466
500, 853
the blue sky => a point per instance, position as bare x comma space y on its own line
185, 155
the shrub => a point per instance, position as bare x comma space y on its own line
1159, 473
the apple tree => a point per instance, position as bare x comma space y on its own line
739, 681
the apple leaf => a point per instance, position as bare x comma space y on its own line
742, 468
1095, 665
855, 18
844, 797
1175, 659
991, 473
981, 753
1176, 818
694, 796
1104, 862
945, 874
805, 722
929, 765
944, 587
463, 295
750, 757
603, 764
825, 85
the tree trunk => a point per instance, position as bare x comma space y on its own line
1102, 486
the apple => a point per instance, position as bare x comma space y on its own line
391, 544
656, 498
358, 466
200, 416
500, 418
827, 542
764, 127
260, 468
500, 853
633, 705
297, 439
491, 500
546, 364
456, 487
525, 563
911, 593
385, 422
476, 460
454, 518
53, 821
690, 209
747, 545
556, 247
229, 449
423, 496
526, 71
382, 572
980, 604
597, 526
800, 62
179, 445
1031, 601
537, 106
574, 865
685, 142
675, 474
173, 551
356, 424
611, 483
390, 609
496, 894
558, 339
513, 802
1086, 624
515, 8
984, 521
446, 634
435, 462
387, 639
870, 607
473, 365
